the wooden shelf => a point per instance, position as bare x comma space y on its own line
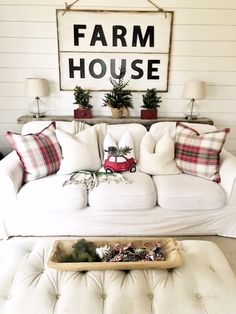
110, 120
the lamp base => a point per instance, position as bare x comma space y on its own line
39, 115
190, 118
38, 108
192, 110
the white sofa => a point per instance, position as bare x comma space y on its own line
160, 205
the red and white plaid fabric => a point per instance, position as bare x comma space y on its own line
199, 154
40, 153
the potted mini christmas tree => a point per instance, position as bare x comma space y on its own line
150, 103
82, 98
119, 99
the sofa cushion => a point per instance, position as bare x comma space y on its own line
157, 157
139, 194
40, 153
160, 128
187, 192
199, 154
38, 126
79, 151
49, 195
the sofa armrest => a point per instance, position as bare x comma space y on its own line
11, 177
228, 175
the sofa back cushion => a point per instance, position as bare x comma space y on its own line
37, 126
160, 128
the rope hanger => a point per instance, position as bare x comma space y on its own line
69, 6
158, 8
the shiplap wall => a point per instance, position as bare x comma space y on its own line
203, 48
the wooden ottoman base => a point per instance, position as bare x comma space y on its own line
204, 284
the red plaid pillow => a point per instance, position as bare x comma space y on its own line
199, 154
39, 153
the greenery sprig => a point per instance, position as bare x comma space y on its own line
119, 151
83, 251
82, 97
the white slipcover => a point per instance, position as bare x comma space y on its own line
64, 216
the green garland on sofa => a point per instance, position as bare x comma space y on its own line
91, 179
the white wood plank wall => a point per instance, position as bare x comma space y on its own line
203, 47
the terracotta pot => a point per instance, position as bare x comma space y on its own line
149, 114
82, 113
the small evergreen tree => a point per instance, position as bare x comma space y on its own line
151, 100
119, 151
119, 96
82, 97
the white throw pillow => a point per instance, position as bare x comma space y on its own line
108, 141
125, 140
79, 151
157, 158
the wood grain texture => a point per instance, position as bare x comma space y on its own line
172, 253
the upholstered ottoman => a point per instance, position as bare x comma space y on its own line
205, 284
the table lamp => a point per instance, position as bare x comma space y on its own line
193, 90
37, 87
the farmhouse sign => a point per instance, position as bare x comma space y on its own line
94, 45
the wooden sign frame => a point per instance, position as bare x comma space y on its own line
94, 44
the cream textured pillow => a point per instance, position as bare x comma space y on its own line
79, 151
157, 158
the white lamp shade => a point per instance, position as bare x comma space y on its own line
194, 90
36, 87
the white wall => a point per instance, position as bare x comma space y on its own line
203, 47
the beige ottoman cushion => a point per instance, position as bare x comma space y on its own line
205, 284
